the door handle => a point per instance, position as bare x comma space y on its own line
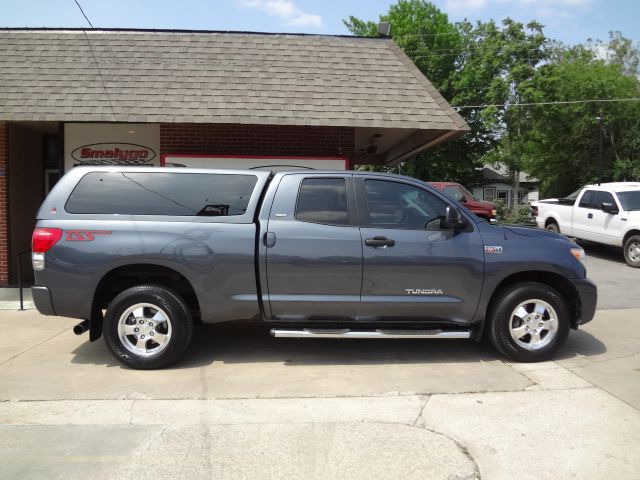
269, 239
379, 242
590, 215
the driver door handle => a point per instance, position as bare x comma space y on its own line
379, 242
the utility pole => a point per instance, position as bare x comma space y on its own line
600, 119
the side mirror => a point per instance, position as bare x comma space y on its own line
609, 207
453, 220
463, 199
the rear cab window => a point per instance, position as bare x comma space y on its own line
323, 200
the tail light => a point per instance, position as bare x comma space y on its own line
534, 211
41, 241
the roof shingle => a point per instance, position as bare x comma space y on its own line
215, 78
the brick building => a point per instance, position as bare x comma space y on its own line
136, 96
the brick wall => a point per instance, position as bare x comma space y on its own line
4, 204
235, 139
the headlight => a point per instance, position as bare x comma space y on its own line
579, 254
493, 213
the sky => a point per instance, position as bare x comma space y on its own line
569, 21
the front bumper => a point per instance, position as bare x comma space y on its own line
588, 296
42, 300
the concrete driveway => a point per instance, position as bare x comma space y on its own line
245, 405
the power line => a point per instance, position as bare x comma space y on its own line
95, 59
83, 14
560, 102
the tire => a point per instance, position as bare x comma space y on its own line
632, 251
140, 315
515, 311
552, 227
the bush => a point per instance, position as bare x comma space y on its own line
509, 216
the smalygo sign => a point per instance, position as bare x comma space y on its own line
113, 153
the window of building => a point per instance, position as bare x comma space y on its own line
397, 205
503, 195
152, 193
323, 200
489, 194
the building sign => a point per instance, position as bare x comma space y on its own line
111, 144
107, 153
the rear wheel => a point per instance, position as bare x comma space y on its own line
553, 227
632, 251
147, 327
529, 322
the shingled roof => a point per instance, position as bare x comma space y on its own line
215, 77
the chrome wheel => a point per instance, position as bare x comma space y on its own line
533, 324
633, 252
144, 329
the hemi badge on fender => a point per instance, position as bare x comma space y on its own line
492, 249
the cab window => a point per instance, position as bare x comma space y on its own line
586, 199
323, 200
397, 205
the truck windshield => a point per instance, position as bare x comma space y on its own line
630, 200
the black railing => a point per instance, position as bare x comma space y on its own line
20, 255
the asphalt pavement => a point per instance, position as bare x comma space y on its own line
244, 405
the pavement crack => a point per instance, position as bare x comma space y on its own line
604, 360
464, 450
419, 421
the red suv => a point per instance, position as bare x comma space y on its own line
457, 192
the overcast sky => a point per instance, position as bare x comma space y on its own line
570, 21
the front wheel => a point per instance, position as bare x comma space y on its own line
147, 327
529, 322
632, 251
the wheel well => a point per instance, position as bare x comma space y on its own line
549, 221
629, 234
121, 278
563, 286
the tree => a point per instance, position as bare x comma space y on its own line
562, 140
469, 65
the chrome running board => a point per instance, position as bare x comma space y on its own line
378, 333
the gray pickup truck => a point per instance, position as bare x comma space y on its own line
142, 254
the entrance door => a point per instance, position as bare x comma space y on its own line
313, 249
412, 268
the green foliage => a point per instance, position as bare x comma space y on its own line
508, 64
564, 139
508, 216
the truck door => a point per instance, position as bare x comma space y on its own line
313, 249
607, 226
586, 216
413, 269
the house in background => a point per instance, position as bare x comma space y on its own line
497, 183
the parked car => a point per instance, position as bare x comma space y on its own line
608, 213
143, 253
457, 192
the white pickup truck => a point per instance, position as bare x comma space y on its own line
608, 213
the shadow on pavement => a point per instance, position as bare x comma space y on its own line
250, 342
580, 343
603, 252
